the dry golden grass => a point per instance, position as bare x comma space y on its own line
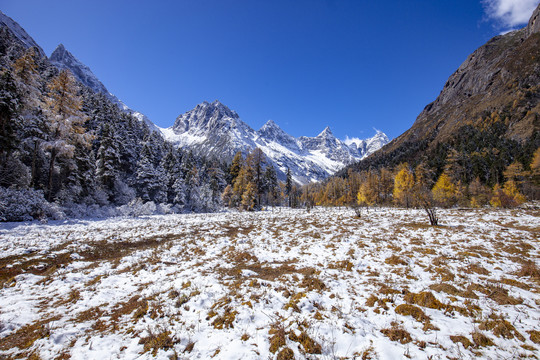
278, 339
534, 335
397, 333
500, 328
154, 342
425, 299
481, 340
285, 354
461, 339
395, 260
309, 345
411, 310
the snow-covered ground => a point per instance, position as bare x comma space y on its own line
276, 284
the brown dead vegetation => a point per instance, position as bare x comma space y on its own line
395, 260
500, 328
452, 290
534, 335
154, 342
411, 310
285, 354
397, 333
425, 299
481, 340
309, 345
461, 339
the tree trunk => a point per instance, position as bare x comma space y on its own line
433, 220
34, 157
51, 170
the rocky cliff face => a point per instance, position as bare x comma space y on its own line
214, 130
534, 22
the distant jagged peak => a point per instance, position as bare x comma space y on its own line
375, 142
63, 59
20, 33
60, 52
272, 132
326, 133
271, 124
271, 127
215, 106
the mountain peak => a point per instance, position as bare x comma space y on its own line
270, 124
215, 107
205, 117
326, 132
63, 59
272, 132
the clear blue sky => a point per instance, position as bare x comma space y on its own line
353, 65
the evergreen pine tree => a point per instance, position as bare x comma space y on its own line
288, 187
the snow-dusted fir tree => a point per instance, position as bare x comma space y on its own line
108, 161
149, 179
10, 123
174, 179
272, 186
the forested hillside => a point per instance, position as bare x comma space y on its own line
66, 150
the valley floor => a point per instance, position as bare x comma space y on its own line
275, 284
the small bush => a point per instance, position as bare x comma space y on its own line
154, 342
26, 205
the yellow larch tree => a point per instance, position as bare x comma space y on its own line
403, 186
444, 191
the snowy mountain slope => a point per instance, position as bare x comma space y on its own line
20, 33
63, 59
368, 146
214, 130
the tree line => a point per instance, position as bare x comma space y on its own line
406, 186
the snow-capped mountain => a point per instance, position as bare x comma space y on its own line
367, 147
63, 59
214, 130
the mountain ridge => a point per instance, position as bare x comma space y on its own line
214, 130
488, 111
61, 58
